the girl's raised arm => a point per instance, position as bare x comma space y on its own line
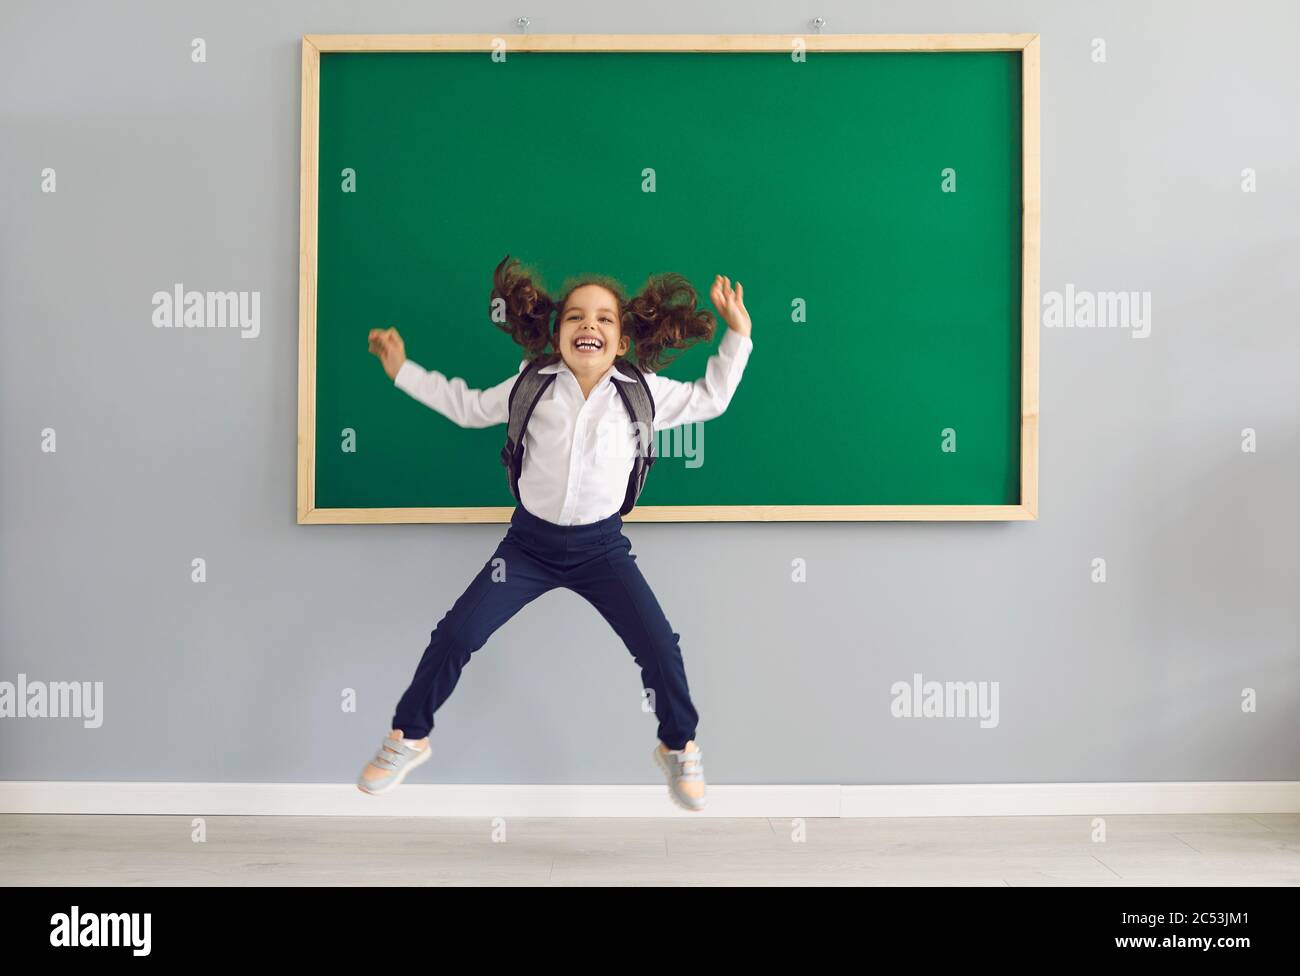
450, 397
678, 403
453, 397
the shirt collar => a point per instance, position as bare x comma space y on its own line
561, 366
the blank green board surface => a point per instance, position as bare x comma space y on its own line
818, 185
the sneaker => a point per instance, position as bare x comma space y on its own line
683, 768
391, 764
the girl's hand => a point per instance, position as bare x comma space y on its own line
731, 304
389, 347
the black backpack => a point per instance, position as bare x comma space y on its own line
640, 404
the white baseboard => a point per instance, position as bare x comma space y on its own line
426, 800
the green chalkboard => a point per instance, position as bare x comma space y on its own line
819, 185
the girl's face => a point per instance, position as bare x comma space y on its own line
590, 335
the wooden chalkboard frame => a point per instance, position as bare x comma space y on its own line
1028, 46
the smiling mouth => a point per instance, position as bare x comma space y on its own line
588, 344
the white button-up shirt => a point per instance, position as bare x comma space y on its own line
578, 451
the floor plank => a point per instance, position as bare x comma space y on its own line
419, 851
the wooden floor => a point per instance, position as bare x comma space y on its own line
1236, 849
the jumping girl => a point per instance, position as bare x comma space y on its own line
572, 487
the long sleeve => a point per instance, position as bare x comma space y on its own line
454, 399
678, 403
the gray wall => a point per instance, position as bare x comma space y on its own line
181, 443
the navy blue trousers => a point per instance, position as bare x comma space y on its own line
536, 556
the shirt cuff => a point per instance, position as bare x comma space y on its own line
734, 342
407, 376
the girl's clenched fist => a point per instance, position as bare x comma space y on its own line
388, 346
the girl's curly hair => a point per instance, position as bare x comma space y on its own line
660, 318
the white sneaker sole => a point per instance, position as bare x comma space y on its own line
662, 763
396, 781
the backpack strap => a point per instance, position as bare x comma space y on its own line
640, 405
524, 397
